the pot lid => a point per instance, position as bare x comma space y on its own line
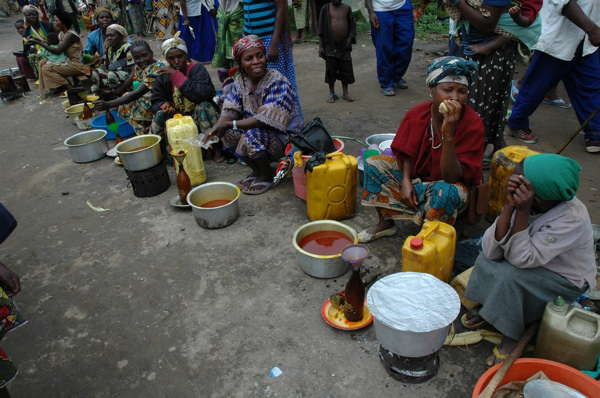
413, 302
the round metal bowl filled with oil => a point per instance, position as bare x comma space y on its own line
215, 204
322, 266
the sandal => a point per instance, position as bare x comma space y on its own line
402, 84
246, 181
389, 92
498, 356
523, 135
364, 236
514, 91
251, 189
475, 326
559, 103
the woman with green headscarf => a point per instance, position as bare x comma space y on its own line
540, 247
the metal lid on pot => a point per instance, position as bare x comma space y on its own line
413, 301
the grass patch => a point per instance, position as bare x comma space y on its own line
429, 24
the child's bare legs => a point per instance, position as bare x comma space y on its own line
298, 36
551, 95
345, 94
332, 96
487, 48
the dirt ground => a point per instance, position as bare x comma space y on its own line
140, 301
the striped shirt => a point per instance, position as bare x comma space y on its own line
259, 18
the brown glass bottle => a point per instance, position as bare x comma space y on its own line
87, 111
184, 184
354, 296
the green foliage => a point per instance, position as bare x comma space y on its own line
429, 23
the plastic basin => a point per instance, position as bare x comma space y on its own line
125, 129
524, 368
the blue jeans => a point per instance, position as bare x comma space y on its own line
393, 44
581, 77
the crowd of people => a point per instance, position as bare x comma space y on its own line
439, 149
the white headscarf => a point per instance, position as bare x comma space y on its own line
175, 42
119, 29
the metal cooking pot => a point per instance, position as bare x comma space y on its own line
412, 312
322, 266
215, 217
140, 159
379, 138
87, 146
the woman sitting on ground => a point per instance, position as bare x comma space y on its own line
34, 28
136, 106
115, 67
95, 40
53, 77
541, 246
438, 151
182, 87
258, 116
25, 68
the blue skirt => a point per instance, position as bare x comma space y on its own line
201, 49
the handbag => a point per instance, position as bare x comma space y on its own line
478, 201
314, 138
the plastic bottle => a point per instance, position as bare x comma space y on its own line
331, 188
431, 251
569, 335
180, 128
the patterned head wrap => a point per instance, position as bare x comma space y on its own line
30, 8
246, 43
100, 10
119, 29
450, 69
175, 42
553, 177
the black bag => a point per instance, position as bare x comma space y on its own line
314, 138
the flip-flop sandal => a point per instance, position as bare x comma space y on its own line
402, 84
559, 103
514, 91
250, 189
499, 357
231, 160
245, 181
332, 98
364, 236
389, 92
475, 326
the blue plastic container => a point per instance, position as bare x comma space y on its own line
125, 129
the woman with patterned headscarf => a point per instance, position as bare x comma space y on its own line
541, 246
110, 78
437, 150
182, 87
36, 29
258, 116
95, 40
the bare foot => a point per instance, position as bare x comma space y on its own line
348, 98
381, 226
504, 348
332, 98
480, 49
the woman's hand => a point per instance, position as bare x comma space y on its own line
451, 110
410, 195
218, 130
101, 105
523, 196
166, 70
9, 281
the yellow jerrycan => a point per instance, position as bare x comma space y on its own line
331, 188
180, 128
503, 164
431, 251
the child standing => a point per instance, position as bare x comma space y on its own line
53, 59
337, 33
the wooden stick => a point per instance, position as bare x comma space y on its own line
514, 354
577, 131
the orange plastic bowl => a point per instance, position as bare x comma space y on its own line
524, 368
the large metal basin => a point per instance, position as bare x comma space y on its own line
215, 217
322, 266
377, 139
140, 159
87, 146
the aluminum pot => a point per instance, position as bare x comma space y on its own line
322, 266
134, 159
215, 217
377, 139
87, 146
413, 319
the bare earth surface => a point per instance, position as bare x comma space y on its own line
140, 301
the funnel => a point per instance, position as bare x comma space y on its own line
179, 154
355, 254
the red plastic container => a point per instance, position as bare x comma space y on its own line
524, 368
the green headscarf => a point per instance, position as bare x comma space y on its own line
553, 177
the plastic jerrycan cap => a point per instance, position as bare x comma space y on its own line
558, 304
416, 243
177, 116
